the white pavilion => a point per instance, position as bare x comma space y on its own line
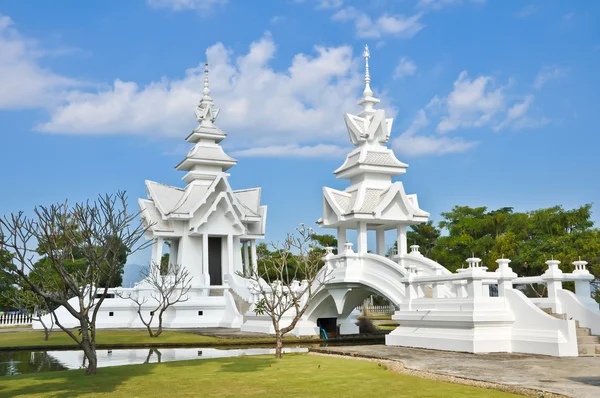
207, 226
371, 201
206, 222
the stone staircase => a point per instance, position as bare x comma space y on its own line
242, 305
588, 344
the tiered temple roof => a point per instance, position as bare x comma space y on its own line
370, 168
206, 164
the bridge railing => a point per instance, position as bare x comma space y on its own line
377, 309
15, 320
553, 278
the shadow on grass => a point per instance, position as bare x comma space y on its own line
73, 383
244, 364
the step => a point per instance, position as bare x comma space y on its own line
589, 350
583, 332
588, 340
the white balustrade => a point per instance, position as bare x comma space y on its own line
15, 320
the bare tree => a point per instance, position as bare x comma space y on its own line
35, 305
97, 231
275, 281
166, 290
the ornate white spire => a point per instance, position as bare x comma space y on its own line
368, 101
206, 91
205, 113
368, 92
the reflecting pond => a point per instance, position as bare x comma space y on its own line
22, 362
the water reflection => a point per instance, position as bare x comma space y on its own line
20, 362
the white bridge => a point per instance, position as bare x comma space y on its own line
435, 308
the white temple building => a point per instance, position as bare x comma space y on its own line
207, 226
206, 222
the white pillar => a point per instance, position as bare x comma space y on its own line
174, 252
205, 271
553, 278
402, 245
380, 240
229, 254
341, 238
246, 257
506, 276
157, 248
361, 237
253, 254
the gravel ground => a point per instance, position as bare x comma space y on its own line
398, 367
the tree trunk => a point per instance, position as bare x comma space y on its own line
159, 331
150, 332
90, 355
46, 333
279, 344
89, 350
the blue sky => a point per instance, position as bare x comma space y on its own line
495, 102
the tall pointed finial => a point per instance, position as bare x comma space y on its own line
368, 92
368, 101
206, 91
205, 113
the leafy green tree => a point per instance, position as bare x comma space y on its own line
323, 241
7, 288
424, 235
101, 231
529, 239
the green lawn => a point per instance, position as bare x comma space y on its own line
26, 339
297, 375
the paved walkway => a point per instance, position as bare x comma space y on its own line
571, 376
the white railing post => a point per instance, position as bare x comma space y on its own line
582, 286
553, 278
505, 276
583, 278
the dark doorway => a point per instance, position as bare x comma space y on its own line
214, 261
329, 325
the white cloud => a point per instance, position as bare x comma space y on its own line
301, 105
547, 74
330, 3
182, 5
23, 82
405, 67
439, 4
472, 103
384, 25
411, 144
293, 150
431, 145
527, 11
515, 113
278, 19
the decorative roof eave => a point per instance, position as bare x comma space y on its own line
187, 164
397, 191
149, 221
231, 211
155, 197
213, 133
211, 189
328, 196
358, 168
